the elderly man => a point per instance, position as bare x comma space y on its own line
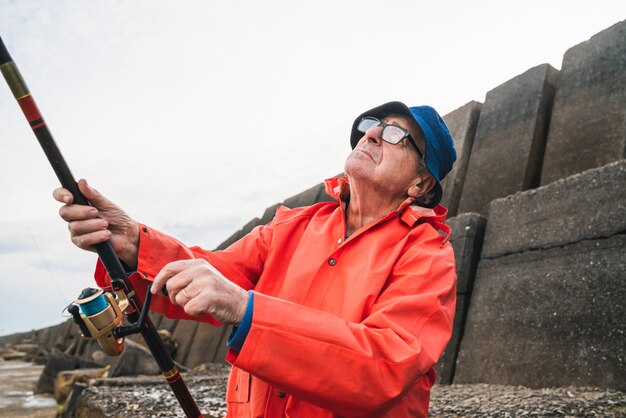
339, 309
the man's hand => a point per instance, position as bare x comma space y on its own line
200, 288
101, 222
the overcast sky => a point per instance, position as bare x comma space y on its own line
197, 115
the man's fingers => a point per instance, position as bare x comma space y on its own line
63, 195
93, 196
71, 213
89, 240
87, 226
166, 273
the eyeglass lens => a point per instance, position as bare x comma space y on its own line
390, 133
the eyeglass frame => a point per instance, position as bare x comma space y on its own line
407, 134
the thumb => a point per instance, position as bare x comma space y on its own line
93, 196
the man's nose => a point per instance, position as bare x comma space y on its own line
374, 134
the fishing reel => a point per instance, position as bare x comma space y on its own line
99, 315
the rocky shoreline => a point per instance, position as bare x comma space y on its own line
85, 383
149, 396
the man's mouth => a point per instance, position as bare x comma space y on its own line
366, 152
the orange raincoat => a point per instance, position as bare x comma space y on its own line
340, 327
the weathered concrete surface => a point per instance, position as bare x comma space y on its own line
269, 213
549, 318
462, 124
510, 138
466, 237
184, 335
588, 126
467, 232
11, 339
584, 206
64, 380
205, 344
306, 198
134, 360
222, 348
446, 365
240, 234
58, 362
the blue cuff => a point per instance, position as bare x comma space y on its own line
238, 335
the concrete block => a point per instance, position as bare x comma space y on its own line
588, 126
584, 206
269, 213
184, 334
306, 198
205, 344
168, 324
230, 240
28, 336
57, 362
446, 364
250, 226
222, 349
156, 319
549, 318
466, 238
50, 336
466, 234
462, 124
510, 138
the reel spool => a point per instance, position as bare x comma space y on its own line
100, 314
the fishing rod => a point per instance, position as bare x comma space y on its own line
99, 314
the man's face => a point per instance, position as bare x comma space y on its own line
385, 166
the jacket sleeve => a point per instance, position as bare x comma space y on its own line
241, 263
359, 368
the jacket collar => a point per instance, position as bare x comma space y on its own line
339, 189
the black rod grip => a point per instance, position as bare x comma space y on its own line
4, 54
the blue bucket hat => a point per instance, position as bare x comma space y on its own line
439, 153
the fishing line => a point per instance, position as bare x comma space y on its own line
34, 240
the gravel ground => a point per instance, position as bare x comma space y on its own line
481, 400
151, 397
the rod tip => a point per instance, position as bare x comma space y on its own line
4, 54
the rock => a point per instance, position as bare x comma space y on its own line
11, 354
56, 362
65, 380
587, 128
510, 138
134, 360
147, 397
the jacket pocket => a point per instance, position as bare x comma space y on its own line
238, 389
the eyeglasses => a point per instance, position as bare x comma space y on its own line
391, 134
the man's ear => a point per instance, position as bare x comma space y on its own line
421, 186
